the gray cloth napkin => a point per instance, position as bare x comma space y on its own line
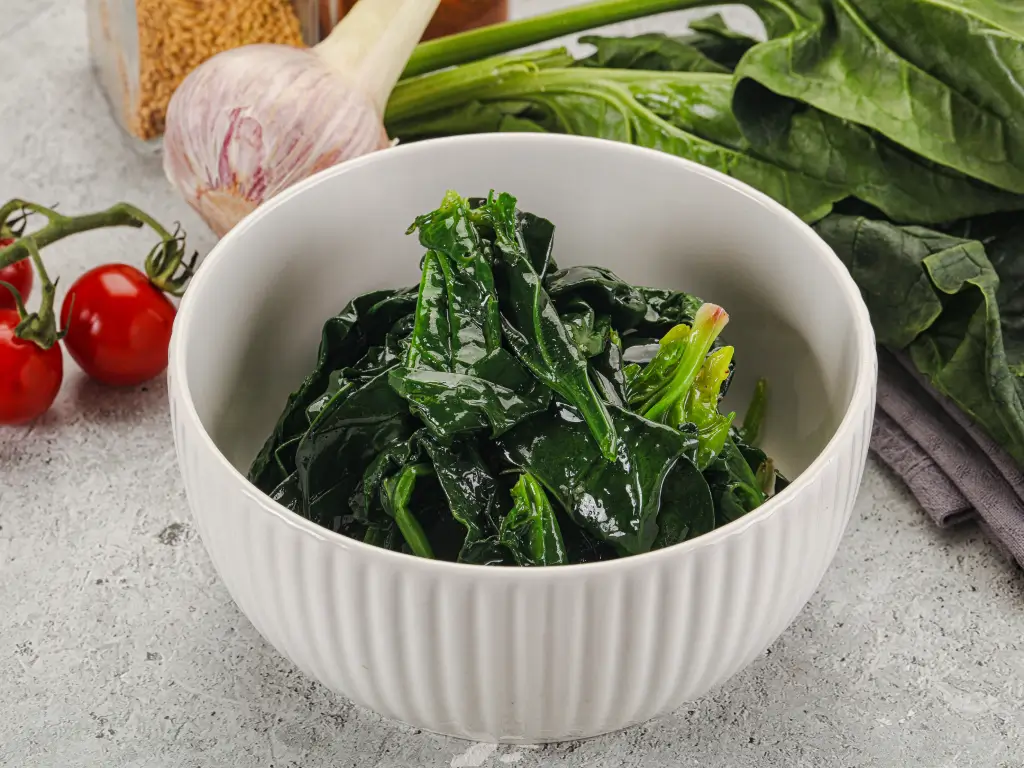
953, 468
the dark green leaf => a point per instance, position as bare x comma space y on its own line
588, 331
687, 510
345, 338
530, 530
621, 105
873, 169
457, 310
602, 290
651, 51
397, 494
616, 501
606, 370
497, 392
713, 37
734, 485
936, 295
951, 94
536, 332
339, 446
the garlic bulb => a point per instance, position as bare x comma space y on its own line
251, 121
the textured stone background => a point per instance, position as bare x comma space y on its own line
119, 647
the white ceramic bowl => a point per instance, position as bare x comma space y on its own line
512, 654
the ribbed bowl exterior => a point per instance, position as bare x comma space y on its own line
523, 654
504, 655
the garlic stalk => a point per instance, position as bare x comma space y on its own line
249, 122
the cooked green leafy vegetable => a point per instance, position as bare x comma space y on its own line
488, 415
530, 530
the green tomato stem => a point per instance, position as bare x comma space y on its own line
162, 265
38, 327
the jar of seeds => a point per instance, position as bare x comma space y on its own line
142, 49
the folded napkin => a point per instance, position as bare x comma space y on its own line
954, 469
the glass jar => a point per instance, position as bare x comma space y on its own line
452, 15
142, 49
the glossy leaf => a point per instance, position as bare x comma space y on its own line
536, 332
345, 338
346, 436
589, 331
397, 496
735, 488
457, 307
687, 509
753, 419
496, 394
615, 501
607, 373
602, 290
530, 530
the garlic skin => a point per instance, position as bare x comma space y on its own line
252, 121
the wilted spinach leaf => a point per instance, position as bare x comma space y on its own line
536, 332
345, 338
341, 443
457, 310
530, 530
687, 509
616, 501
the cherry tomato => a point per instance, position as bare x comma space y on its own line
30, 376
18, 274
118, 325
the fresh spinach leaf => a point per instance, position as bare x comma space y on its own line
652, 51
947, 316
601, 103
952, 95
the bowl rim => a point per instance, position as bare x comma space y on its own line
861, 399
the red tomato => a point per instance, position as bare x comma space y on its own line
18, 274
29, 375
118, 325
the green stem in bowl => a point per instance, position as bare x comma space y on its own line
397, 495
166, 265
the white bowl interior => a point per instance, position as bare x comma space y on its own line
251, 321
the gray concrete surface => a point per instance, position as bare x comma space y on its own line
119, 647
